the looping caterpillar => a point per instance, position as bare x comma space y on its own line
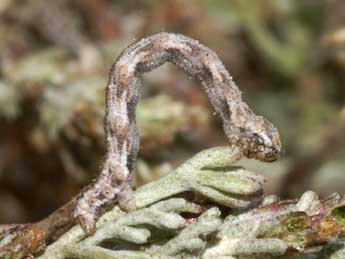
254, 135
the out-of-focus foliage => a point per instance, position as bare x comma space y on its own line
288, 57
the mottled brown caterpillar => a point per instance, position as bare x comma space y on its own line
254, 135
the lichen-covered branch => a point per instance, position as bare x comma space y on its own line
304, 228
190, 176
274, 227
181, 228
234, 188
205, 173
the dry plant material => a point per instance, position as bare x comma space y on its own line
256, 137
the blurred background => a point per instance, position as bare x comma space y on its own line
287, 57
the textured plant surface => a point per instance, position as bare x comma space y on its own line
186, 215
185, 227
194, 227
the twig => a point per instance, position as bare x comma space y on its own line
190, 176
274, 228
207, 173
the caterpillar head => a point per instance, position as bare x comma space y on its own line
261, 141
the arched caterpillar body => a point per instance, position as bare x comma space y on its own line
254, 135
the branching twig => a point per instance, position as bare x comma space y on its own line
159, 230
273, 228
207, 173
190, 176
